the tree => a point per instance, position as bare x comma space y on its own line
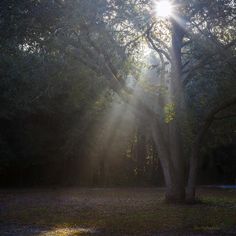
103, 35
106, 37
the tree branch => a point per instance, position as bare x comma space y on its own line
158, 50
225, 116
211, 117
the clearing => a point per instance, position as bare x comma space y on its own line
114, 211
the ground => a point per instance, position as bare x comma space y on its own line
114, 211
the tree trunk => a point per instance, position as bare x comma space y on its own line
176, 190
175, 186
192, 178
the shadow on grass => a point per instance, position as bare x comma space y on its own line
114, 212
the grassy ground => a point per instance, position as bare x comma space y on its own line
131, 211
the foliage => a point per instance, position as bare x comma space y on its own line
64, 69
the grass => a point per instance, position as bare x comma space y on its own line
127, 211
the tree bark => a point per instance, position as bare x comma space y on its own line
175, 188
176, 191
167, 137
192, 178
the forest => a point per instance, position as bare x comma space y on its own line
108, 93
118, 94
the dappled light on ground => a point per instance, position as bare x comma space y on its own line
113, 211
76, 231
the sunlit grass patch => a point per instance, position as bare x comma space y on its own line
68, 232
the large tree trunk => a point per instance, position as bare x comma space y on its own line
173, 175
176, 191
192, 178
175, 186
176, 156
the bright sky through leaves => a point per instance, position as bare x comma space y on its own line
164, 8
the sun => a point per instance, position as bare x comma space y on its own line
163, 8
